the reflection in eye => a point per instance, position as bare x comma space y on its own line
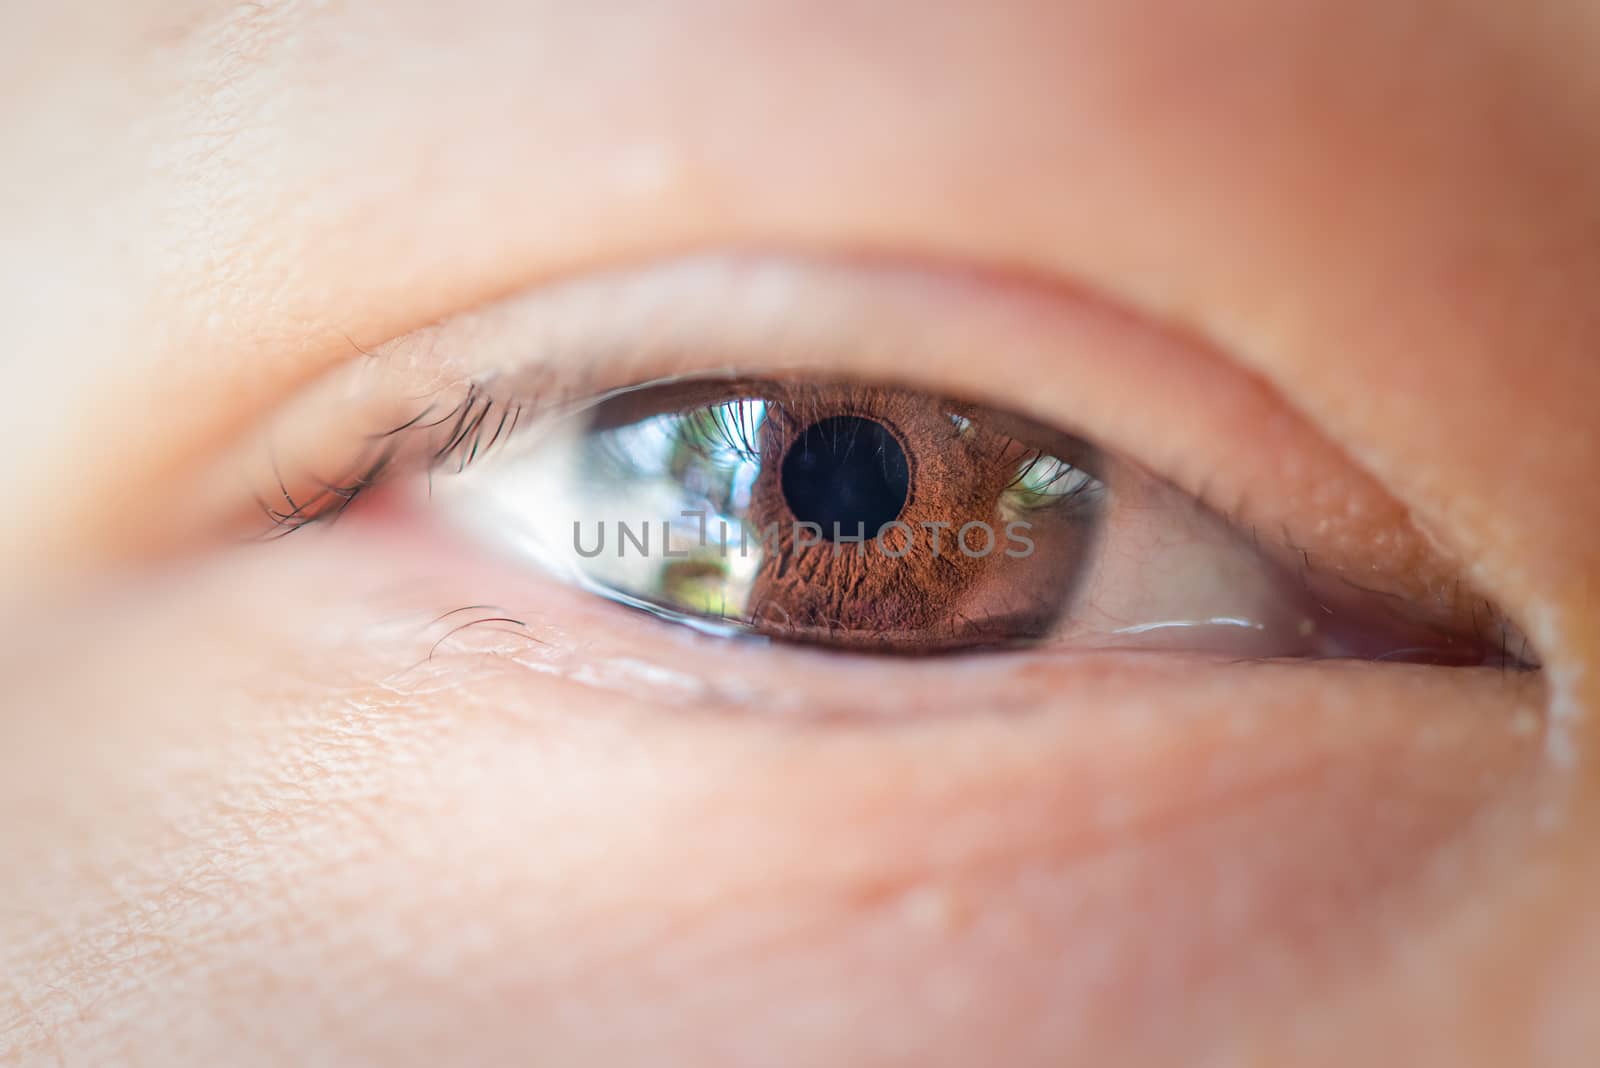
889, 520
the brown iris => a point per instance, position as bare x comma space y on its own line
860, 516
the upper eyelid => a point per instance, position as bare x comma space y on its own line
1060, 358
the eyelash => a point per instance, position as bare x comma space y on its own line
469, 438
479, 422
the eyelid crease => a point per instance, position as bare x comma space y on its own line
1181, 410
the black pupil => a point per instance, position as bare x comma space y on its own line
846, 474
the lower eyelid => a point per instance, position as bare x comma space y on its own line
1214, 716
556, 629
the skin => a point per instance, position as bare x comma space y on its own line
247, 818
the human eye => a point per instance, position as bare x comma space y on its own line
724, 464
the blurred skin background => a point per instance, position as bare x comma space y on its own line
1337, 262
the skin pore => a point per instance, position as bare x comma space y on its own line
258, 805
